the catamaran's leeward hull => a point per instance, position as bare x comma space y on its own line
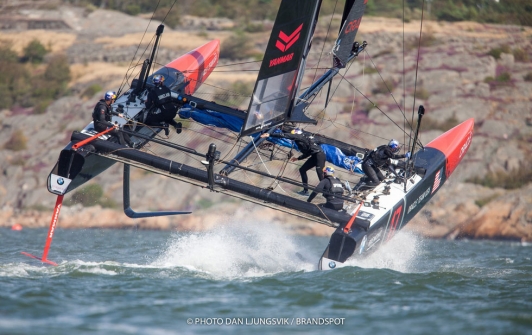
439, 158
81, 166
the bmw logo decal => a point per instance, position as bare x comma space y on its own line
60, 181
332, 264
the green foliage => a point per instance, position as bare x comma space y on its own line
88, 195
17, 142
254, 28
422, 93
40, 107
484, 201
505, 12
428, 39
237, 46
384, 87
34, 52
369, 70
489, 79
512, 180
239, 90
428, 123
106, 202
503, 77
520, 55
496, 52
90, 91
20, 85
204, 203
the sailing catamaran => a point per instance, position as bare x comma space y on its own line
220, 147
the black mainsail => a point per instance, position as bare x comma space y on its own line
280, 73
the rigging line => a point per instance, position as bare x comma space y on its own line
138, 47
325, 39
388, 88
417, 61
126, 77
232, 64
168, 12
258, 154
334, 92
374, 105
404, 83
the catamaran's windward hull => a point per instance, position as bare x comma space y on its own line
81, 166
439, 159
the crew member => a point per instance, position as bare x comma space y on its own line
102, 114
162, 110
379, 158
308, 147
331, 188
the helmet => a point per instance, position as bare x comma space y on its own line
158, 79
328, 170
394, 145
110, 95
297, 131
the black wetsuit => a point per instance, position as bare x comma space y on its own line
331, 188
161, 107
101, 115
375, 160
308, 148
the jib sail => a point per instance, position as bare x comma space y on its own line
351, 18
279, 74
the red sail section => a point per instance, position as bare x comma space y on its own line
197, 64
454, 144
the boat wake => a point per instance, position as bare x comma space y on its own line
239, 250
398, 254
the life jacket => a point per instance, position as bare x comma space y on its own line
336, 189
96, 112
336, 186
377, 156
307, 146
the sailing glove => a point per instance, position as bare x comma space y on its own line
407, 155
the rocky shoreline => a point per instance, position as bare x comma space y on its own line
457, 74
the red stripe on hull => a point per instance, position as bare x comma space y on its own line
197, 64
454, 144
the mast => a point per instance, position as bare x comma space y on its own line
420, 113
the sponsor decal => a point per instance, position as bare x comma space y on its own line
59, 184
466, 145
54, 221
395, 222
437, 180
332, 264
162, 96
211, 65
418, 200
288, 40
281, 60
353, 25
